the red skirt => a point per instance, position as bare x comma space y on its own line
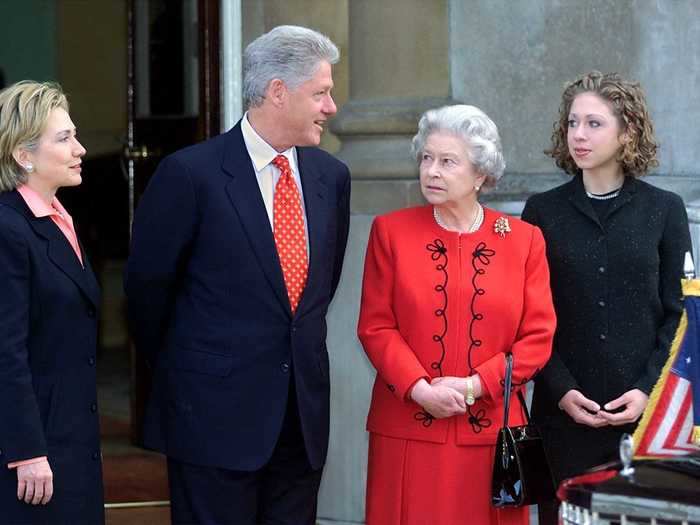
420, 483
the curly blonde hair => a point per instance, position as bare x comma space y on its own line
627, 102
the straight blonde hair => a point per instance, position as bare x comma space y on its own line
24, 109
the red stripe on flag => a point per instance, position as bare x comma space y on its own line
680, 419
657, 417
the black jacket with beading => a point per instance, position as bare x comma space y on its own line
616, 289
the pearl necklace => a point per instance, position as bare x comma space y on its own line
603, 196
476, 223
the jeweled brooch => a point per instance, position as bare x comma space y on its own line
501, 226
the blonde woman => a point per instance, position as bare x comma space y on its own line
50, 458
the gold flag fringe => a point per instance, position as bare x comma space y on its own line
690, 287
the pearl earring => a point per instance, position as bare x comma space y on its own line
477, 188
29, 167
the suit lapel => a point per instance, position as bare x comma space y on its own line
316, 204
580, 201
90, 278
244, 193
59, 249
629, 188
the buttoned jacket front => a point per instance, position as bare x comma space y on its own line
209, 307
616, 289
438, 303
49, 307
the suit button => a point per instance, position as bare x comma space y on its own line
294, 329
91, 311
91, 361
93, 407
601, 304
95, 455
285, 367
601, 269
602, 337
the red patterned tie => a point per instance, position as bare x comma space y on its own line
290, 235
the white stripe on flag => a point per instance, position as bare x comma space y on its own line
669, 418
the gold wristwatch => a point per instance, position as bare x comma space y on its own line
469, 397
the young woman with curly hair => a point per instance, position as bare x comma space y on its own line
615, 247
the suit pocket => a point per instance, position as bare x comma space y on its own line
201, 362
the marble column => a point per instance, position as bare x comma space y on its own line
399, 67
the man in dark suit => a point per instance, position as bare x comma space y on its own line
237, 250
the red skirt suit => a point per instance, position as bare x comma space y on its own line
438, 303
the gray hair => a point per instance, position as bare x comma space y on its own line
475, 128
289, 53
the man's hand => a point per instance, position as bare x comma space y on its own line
634, 402
439, 401
35, 483
581, 409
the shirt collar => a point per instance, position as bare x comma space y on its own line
37, 205
261, 153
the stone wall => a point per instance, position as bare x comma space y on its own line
512, 60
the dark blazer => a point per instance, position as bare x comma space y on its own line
209, 308
48, 338
617, 295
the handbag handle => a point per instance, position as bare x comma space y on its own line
507, 386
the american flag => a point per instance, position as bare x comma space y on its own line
670, 425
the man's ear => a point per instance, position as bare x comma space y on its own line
276, 92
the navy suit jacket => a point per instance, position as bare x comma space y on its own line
208, 305
49, 307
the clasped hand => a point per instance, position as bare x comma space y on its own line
587, 412
438, 400
35, 483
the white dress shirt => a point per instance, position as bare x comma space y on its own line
267, 174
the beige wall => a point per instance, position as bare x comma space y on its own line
92, 66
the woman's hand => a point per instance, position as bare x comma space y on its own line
438, 400
581, 409
35, 483
634, 402
460, 384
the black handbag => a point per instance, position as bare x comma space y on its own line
521, 473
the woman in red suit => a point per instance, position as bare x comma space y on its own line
449, 288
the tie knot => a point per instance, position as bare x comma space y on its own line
282, 163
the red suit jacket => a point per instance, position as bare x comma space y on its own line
439, 303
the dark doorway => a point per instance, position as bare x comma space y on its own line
172, 102
142, 78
